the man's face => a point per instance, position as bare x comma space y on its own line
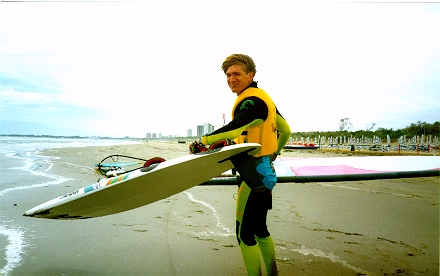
238, 80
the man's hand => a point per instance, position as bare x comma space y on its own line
196, 147
220, 144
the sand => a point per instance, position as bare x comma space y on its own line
376, 227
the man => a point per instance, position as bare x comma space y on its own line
254, 119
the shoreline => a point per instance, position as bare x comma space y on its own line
318, 228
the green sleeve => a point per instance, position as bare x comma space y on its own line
283, 132
231, 135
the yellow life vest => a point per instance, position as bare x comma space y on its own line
265, 133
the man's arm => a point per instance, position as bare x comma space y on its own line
283, 132
248, 114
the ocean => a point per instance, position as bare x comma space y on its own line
21, 161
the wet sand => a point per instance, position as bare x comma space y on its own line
375, 227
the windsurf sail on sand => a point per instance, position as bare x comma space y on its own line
119, 164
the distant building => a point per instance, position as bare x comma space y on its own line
199, 130
148, 135
189, 133
208, 128
154, 136
204, 129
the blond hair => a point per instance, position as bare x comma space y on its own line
245, 61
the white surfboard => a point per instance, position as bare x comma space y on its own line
142, 186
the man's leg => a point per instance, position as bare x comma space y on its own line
251, 258
267, 248
248, 247
252, 207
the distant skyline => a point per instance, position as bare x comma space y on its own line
122, 69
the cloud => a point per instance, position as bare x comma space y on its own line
132, 68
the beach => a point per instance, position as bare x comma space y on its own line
374, 227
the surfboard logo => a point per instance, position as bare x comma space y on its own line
117, 179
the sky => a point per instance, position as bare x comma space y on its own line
130, 68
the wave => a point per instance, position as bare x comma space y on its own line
14, 249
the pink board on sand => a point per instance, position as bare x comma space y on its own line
354, 165
348, 168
